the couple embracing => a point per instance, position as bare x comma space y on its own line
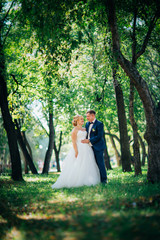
84, 164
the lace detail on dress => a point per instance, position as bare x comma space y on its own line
81, 135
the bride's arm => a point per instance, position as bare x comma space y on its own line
74, 140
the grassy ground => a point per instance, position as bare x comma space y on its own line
126, 208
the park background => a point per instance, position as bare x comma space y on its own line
59, 59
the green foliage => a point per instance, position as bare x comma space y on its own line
126, 208
58, 58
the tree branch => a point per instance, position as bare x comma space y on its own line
146, 39
9, 29
45, 114
113, 135
55, 147
13, 76
8, 11
37, 118
129, 68
134, 43
60, 141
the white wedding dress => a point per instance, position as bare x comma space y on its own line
79, 171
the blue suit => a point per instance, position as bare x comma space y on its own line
98, 145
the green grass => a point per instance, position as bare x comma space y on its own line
126, 208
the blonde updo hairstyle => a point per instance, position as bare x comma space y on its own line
75, 120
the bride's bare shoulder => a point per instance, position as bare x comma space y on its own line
74, 131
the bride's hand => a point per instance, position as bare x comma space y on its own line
76, 154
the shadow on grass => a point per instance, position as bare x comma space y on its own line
126, 208
113, 225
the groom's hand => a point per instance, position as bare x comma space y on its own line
85, 141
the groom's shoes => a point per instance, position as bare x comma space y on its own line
105, 183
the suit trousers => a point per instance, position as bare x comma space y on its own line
101, 165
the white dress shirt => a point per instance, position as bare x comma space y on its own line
89, 130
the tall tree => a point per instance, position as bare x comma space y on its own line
124, 139
106, 156
7, 119
50, 143
57, 152
23, 133
117, 154
136, 150
24, 149
144, 155
152, 113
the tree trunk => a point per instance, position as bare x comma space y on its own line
57, 161
152, 136
106, 156
117, 154
27, 143
152, 113
7, 119
137, 162
143, 150
57, 152
124, 139
26, 170
50, 145
24, 150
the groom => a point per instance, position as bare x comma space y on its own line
95, 139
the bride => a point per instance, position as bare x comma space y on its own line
79, 167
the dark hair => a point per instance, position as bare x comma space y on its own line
91, 112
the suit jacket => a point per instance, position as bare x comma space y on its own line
96, 135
